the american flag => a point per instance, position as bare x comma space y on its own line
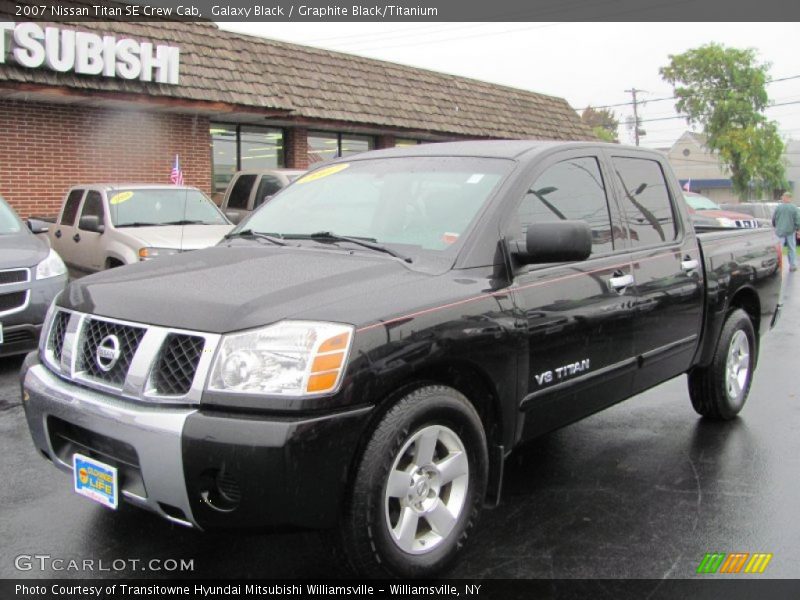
687, 187
176, 177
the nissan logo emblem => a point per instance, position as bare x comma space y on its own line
107, 353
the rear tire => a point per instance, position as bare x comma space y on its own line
419, 487
720, 390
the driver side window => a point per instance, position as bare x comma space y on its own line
570, 190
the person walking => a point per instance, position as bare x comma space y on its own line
786, 221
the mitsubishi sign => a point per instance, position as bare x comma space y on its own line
64, 50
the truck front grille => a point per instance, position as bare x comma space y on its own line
747, 223
177, 364
120, 343
13, 301
57, 333
14, 276
137, 361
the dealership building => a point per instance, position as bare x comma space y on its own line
116, 102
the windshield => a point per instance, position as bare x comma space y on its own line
162, 206
9, 222
698, 202
425, 203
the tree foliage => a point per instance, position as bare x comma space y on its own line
723, 90
603, 122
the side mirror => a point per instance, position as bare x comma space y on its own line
233, 217
554, 242
91, 223
37, 226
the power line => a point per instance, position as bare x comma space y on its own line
774, 80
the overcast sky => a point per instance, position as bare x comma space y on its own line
586, 63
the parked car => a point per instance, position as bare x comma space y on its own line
366, 350
761, 211
102, 226
705, 213
250, 189
31, 274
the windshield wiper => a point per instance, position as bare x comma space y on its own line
255, 234
186, 222
329, 236
138, 224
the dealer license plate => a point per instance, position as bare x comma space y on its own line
95, 480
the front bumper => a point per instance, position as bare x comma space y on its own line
200, 468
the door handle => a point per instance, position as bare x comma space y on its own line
76, 237
58, 233
619, 283
689, 264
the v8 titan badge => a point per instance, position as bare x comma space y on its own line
95, 480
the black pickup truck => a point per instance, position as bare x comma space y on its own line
364, 351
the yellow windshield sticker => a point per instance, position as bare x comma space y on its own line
323, 173
120, 198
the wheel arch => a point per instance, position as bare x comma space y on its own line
747, 299
476, 386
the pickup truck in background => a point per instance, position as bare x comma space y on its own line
364, 353
707, 214
105, 226
250, 189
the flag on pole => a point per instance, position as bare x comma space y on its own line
176, 177
687, 187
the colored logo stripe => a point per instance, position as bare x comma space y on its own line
758, 563
733, 563
711, 562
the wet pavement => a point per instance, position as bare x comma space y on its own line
642, 490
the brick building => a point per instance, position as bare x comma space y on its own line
76, 108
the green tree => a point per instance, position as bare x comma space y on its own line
603, 122
723, 90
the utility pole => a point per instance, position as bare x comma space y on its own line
636, 130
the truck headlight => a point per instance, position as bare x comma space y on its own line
726, 222
290, 358
52, 266
150, 252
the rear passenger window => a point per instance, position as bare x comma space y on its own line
645, 201
569, 190
71, 208
240, 193
93, 207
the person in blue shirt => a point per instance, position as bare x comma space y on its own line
786, 221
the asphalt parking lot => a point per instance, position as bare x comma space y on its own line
642, 490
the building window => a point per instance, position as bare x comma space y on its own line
324, 146
260, 148
243, 147
403, 142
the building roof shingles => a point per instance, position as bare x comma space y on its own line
311, 83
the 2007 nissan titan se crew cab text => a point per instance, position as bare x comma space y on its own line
363, 352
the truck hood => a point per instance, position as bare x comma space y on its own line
21, 250
231, 288
183, 237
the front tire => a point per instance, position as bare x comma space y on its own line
419, 487
720, 390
